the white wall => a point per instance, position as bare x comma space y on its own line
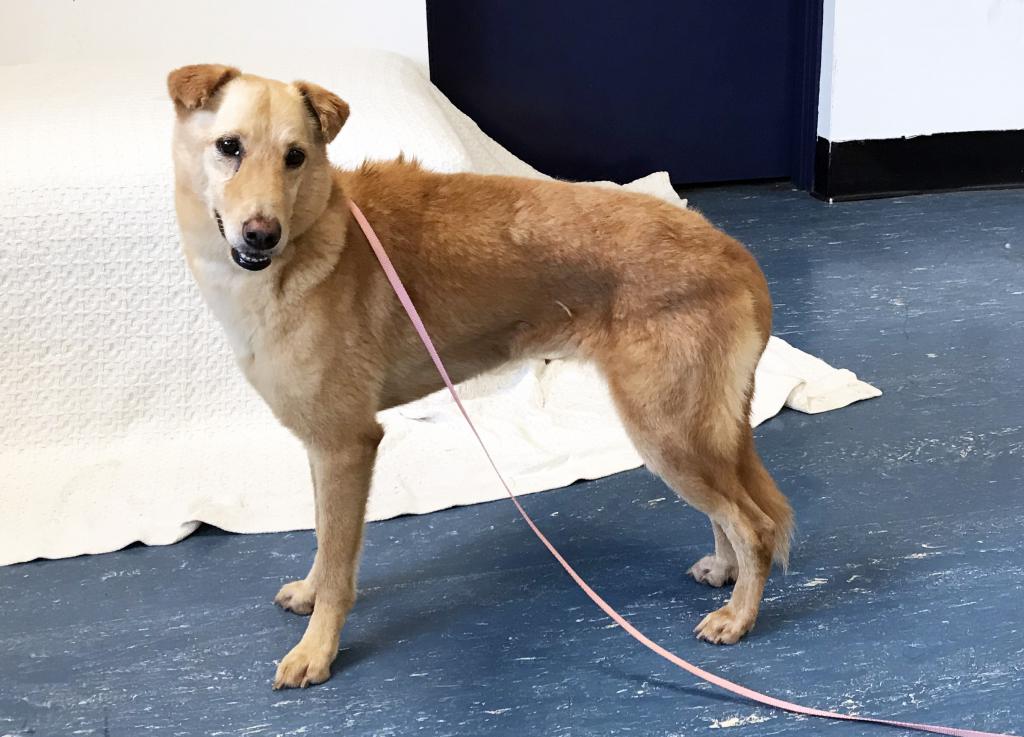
893, 68
205, 30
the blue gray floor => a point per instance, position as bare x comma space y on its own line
904, 599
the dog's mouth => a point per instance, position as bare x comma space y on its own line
248, 261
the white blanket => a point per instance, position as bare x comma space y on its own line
122, 414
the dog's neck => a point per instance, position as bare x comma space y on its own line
247, 302
315, 250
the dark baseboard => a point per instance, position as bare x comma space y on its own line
853, 170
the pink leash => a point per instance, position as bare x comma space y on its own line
403, 297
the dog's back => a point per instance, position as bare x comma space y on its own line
576, 260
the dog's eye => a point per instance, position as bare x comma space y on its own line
228, 146
294, 158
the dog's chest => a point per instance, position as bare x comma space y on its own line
236, 305
268, 362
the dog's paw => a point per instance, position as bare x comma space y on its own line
714, 571
297, 596
724, 626
303, 666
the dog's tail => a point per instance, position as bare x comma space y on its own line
776, 506
762, 489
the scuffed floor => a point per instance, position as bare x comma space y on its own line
904, 597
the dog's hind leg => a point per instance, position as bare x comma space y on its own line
708, 480
722, 567
684, 400
719, 568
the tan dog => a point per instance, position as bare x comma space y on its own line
674, 312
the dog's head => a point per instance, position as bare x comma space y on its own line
255, 152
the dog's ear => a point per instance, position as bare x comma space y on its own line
329, 110
193, 86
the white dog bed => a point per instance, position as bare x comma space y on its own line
122, 414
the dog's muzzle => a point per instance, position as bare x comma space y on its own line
248, 260
252, 262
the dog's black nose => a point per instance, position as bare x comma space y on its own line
261, 233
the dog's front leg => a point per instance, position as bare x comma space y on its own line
342, 476
300, 596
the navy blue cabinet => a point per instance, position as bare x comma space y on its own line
710, 91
